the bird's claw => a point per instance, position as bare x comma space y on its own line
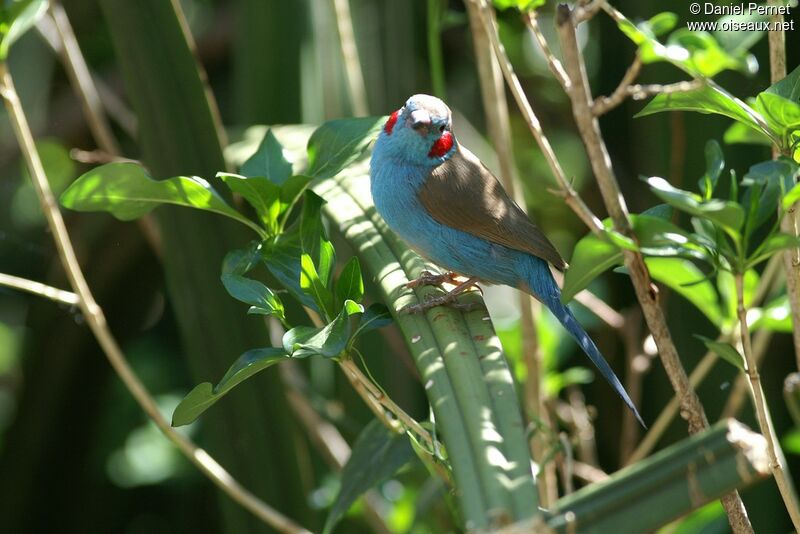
427, 278
448, 299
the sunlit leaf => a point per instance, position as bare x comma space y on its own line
126, 191
18, 16
328, 341
336, 144
741, 133
522, 5
350, 285
203, 396
683, 277
312, 285
260, 193
727, 214
377, 454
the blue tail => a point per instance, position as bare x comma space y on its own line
544, 288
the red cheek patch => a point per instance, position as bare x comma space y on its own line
442, 146
391, 122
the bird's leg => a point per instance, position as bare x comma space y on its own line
446, 299
427, 278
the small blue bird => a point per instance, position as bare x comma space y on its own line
447, 206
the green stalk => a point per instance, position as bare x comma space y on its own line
179, 134
468, 382
667, 485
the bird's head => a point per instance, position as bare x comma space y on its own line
419, 132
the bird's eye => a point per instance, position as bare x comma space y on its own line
441, 128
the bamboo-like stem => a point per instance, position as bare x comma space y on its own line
497, 119
571, 196
96, 321
352, 65
81, 79
589, 129
776, 460
37, 288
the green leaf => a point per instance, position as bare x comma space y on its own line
291, 190
18, 16
741, 133
592, 257
377, 315
268, 161
312, 285
706, 99
726, 214
350, 285
662, 23
203, 396
782, 115
706, 56
377, 454
775, 316
724, 351
788, 87
126, 191
338, 143
774, 243
261, 298
555, 381
715, 164
328, 342
260, 193
522, 5
683, 277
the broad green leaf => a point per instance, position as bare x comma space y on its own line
338, 143
282, 259
377, 315
126, 191
706, 99
268, 162
782, 115
788, 87
311, 284
741, 133
261, 298
291, 190
592, 257
350, 285
377, 454
203, 396
775, 316
724, 351
18, 16
313, 239
706, 56
522, 5
683, 277
329, 341
727, 214
260, 193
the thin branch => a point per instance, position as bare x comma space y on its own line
571, 196
589, 128
552, 61
741, 388
604, 103
776, 459
96, 321
352, 65
585, 12
37, 288
81, 79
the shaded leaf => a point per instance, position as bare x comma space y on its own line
377, 454
789, 87
328, 342
203, 396
715, 164
727, 214
377, 315
126, 191
350, 285
782, 115
268, 161
724, 351
336, 144
18, 16
774, 243
662, 23
261, 298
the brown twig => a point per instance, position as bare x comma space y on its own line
553, 62
37, 288
589, 129
776, 459
588, 10
96, 321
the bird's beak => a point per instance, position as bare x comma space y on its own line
420, 121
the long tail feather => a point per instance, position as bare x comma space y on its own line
545, 289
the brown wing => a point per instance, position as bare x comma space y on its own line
462, 193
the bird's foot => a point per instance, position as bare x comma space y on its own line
427, 278
448, 299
